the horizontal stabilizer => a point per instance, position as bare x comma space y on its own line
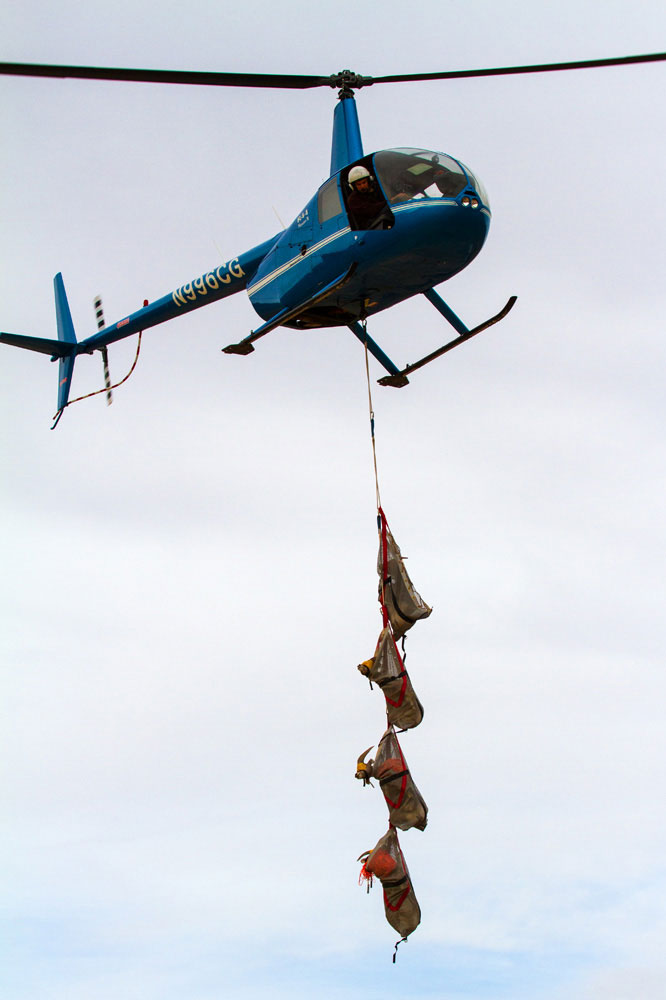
56, 348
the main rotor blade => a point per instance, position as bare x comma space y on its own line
208, 79
345, 79
509, 70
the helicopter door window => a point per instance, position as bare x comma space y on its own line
366, 204
330, 204
406, 174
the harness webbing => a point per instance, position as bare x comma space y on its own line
382, 526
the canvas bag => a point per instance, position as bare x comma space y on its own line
403, 605
405, 803
386, 863
386, 670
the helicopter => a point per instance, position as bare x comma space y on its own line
383, 227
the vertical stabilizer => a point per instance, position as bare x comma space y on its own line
66, 334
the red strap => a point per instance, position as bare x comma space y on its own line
403, 689
384, 524
403, 786
402, 858
403, 783
402, 899
401, 696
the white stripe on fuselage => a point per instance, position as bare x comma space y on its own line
296, 260
411, 206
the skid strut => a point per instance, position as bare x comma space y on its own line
360, 330
399, 378
246, 346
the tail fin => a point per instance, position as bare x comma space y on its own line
64, 348
67, 336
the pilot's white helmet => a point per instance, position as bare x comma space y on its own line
357, 173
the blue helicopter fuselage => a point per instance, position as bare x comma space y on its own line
434, 221
419, 218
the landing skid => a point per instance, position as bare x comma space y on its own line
245, 346
399, 379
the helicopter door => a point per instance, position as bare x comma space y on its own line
366, 205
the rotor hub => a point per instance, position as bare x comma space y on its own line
348, 82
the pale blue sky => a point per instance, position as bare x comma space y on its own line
189, 574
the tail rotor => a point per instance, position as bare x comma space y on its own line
99, 316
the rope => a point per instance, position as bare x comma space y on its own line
372, 423
381, 520
381, 517
395, 950
106, 388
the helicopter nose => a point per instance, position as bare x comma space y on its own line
464, 230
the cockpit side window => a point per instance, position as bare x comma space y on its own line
329, 203
413, 173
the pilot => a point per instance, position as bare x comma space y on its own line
366, 205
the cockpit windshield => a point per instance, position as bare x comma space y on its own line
475, 181
418, 173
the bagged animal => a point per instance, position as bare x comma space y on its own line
398, 597
386, 862
386, 670
406, 805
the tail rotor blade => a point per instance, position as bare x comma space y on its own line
99, 316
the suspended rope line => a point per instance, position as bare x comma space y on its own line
381, 520
403, 709
372, 423
107, 388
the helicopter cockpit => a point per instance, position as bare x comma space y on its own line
406, 173
402, 175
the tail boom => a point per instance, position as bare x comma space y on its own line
227, 279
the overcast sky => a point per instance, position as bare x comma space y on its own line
189, 575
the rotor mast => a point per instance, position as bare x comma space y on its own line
346, 145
